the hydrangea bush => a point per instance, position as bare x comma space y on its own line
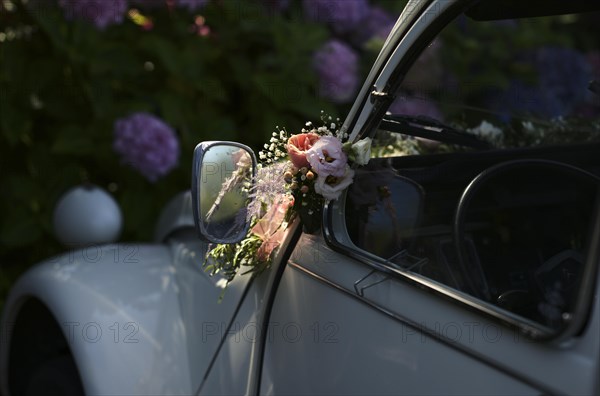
118, 92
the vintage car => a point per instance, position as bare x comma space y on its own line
469, 269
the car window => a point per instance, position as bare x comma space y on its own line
513, 83
511, 231
511, 225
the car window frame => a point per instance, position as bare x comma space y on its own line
406, 50
337, 237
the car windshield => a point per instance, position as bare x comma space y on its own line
512, 83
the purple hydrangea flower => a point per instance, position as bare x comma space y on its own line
427, 72
591, 106
101, 13
150, 4
277, 5
562, 77
377, 24
147, 144
191, 5
566, 74
416, 106
341, 15
593, 58
336, 65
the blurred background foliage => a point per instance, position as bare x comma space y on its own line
71, 70
218, 69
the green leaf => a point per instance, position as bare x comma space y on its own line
73, 141
14, 121
165, 51
50, 20
19, 228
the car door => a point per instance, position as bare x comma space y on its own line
340, 325
348, 319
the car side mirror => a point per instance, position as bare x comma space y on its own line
222, 177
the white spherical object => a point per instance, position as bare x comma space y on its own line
87, 215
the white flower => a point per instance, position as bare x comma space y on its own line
330, 187
326, 157
528, 125
362, 151
487, 130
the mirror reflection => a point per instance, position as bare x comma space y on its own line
224, 185
385, 209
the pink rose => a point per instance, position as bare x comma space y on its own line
298, 145
330, 187
327, 158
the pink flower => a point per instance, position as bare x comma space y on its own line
297, 147
241, 159
330, 187
327, 158
270, 228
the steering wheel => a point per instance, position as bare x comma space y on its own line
468, 262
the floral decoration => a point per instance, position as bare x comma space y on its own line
296, 175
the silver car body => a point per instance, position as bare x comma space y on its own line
146, 319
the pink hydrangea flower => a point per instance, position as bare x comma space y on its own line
326, 157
